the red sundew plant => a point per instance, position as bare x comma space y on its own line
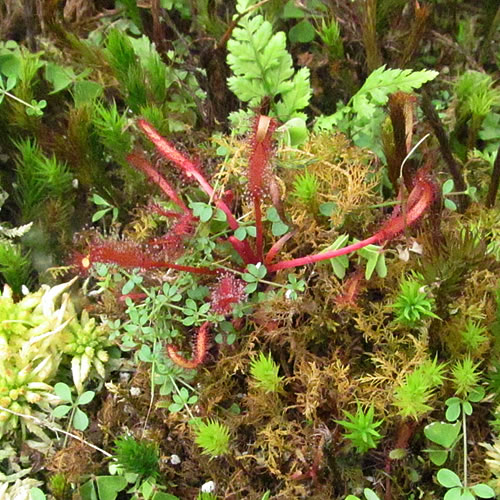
200, 349
230, 290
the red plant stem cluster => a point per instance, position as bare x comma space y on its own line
200, 349
169, 152
133, 255
419, 200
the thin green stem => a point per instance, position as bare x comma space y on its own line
55, 429
12, 96
464, 432
70, 422
381, 205
151, 399
179, 394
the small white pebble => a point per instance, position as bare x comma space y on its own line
208, 487
135, 391
175, 460
288, 294
74, 183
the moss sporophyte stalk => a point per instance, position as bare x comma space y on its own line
229, 291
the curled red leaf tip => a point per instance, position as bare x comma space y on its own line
200, 350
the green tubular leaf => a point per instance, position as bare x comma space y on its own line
339, 266
100, 214
381, 266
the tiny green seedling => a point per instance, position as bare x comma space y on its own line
447, 192
181, 399
458, 491
253, 276
278, 227
78, 419
375, 259
413, 303
106, 208
35, 108
447, 436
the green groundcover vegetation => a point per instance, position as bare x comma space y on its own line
249, 250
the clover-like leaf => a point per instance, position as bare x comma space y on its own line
442, 433
80, 420
483, 491
437, 457
109, 486
85, 398
61, 411
63, 391
448, 478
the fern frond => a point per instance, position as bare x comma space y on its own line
263, 67
383, 82
362, 117
14, 232
297, 97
